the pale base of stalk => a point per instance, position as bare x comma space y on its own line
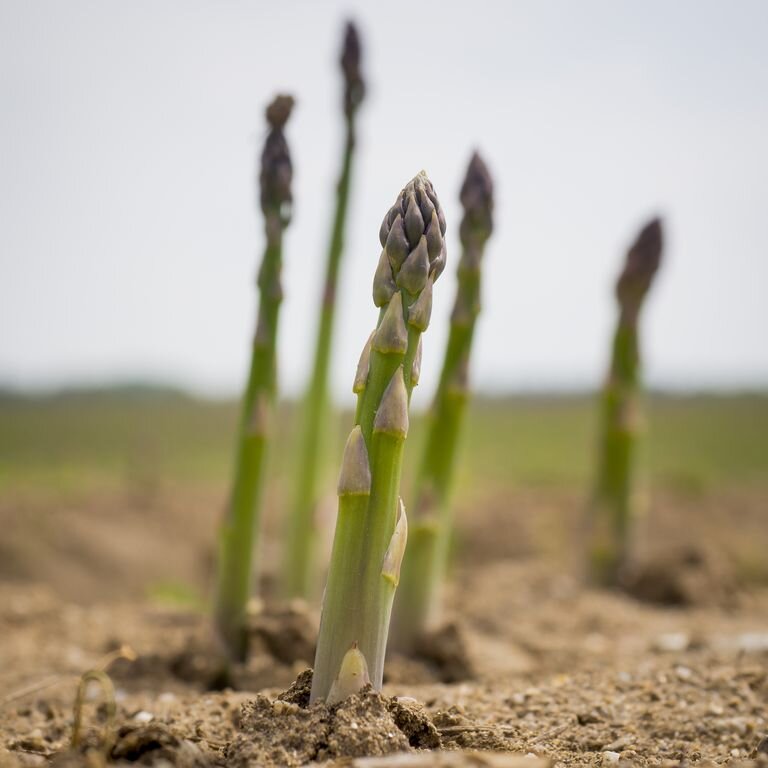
614, 552
608, 554
357, 604
236, 544
611, 526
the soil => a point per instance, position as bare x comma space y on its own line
531, 669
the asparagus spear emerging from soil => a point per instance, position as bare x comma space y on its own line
418, 604
238, 530
612, 508
299, 561
371, 527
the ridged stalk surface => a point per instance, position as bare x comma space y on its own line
371, 526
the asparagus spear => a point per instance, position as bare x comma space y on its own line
300, 555
418, 604
371, 527
239, 527
612, 508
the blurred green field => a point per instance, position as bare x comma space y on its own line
79, 444
108, 493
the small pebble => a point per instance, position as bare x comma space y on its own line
611, 757
683, 673
143, 716
753, 642
671, 642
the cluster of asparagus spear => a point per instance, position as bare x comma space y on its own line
369, 548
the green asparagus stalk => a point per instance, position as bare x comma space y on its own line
419, 601
613, 507
371, 527
239, 528
299, 561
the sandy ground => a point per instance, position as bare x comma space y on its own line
574, 676
532, 665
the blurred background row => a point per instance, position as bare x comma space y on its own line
129, 242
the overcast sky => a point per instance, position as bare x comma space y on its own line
129, 131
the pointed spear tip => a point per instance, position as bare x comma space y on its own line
419, 211
645, 252
279, 110
354, 84
651, 235
642, 263
476, 198
276, 171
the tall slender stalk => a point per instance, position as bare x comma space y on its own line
613, 507
371, 528
419, 601
239, 527
299, 561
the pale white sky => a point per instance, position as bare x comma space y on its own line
129, 131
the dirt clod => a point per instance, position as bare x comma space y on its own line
147, 744
300, 690
684, 576
412, 719
446, 649
277, 733
284, 733
363, 725
288, 633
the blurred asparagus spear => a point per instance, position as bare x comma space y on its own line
239, 528
418, 604
299, 561
612, 508
371, 528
